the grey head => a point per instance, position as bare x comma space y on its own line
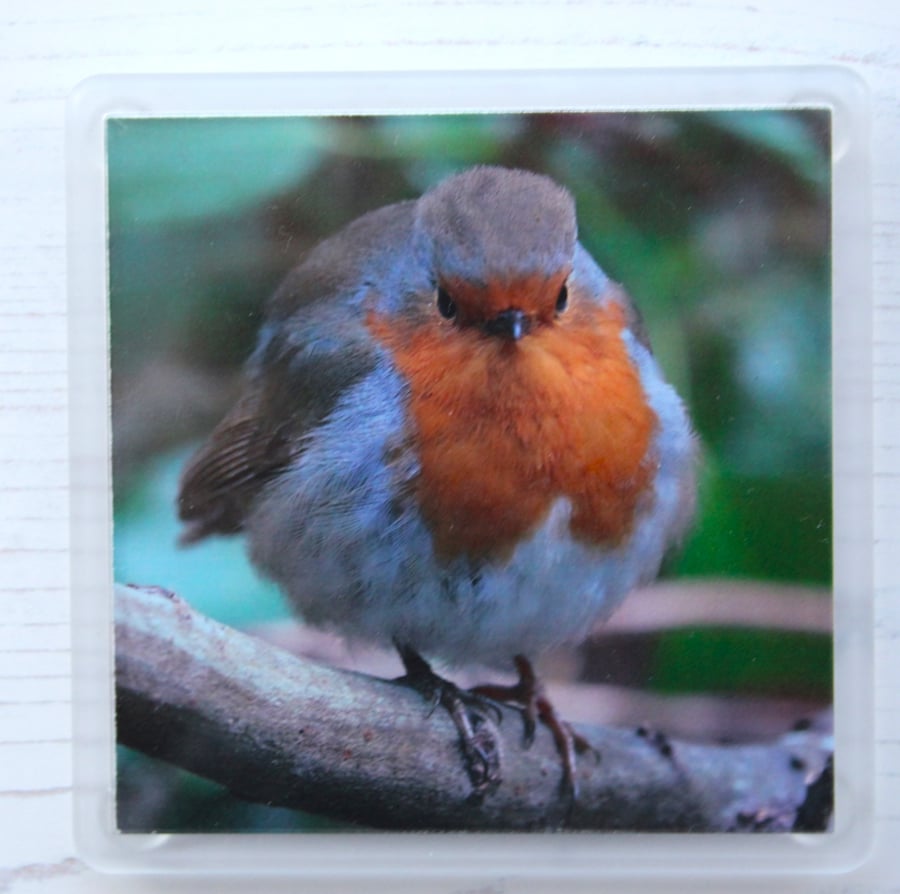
491, 224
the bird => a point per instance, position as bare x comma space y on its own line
454, 440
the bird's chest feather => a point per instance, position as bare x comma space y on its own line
504, 429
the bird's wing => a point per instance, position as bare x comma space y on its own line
222, 478
313, 347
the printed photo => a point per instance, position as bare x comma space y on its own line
472, 472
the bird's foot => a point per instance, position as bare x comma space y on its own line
528, 694
470, 713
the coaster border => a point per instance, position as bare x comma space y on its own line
471, 856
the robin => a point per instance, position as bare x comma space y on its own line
453, 438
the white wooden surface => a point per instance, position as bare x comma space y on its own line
47, 47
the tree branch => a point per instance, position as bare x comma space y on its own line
282, 731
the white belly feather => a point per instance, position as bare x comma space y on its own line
330, 532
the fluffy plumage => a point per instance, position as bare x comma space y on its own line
441, 481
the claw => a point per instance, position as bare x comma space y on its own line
528, 693
469, 713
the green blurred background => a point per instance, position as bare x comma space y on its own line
717, 223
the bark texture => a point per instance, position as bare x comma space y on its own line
283, 731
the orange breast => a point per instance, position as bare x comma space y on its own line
504, 429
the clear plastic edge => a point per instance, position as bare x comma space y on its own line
422, 855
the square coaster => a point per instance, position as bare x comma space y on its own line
384, 376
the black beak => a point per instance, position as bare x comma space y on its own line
512, 324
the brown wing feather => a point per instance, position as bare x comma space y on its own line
241, 455
315, 347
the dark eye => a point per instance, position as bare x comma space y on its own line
562, 299
446, 304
